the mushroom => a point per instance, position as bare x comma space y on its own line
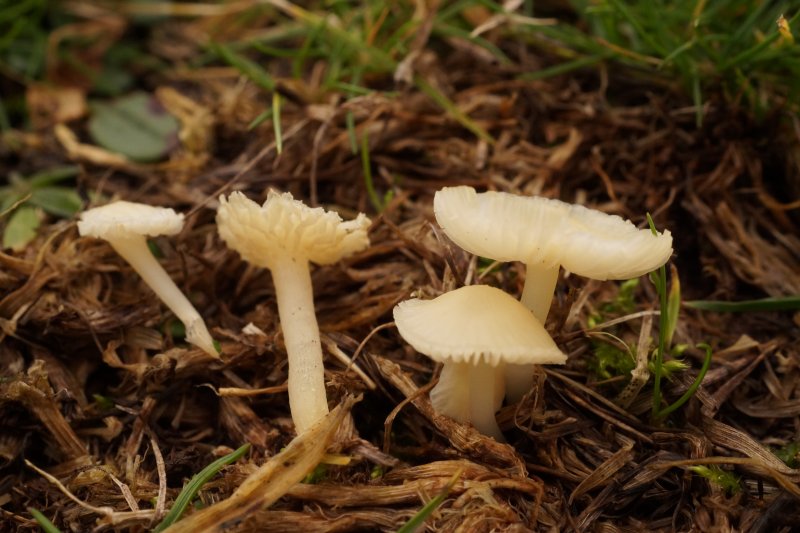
546, 233
475, 331
283, 235
125, 225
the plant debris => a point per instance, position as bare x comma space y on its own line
107, 411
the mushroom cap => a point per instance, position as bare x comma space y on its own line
284, 227
549, 232
476, 323
123, 219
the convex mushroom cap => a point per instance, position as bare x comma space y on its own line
284, 235
546, 233
474, 331
125, 225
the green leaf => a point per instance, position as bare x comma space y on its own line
21, 228
195, 484
10, 200
59, 201
46, 525
52, 176
135, 126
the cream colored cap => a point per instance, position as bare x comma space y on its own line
285, 226
537, 230
473, 323
119, 219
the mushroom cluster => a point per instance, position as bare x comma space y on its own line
545, 234
486, 339
283, 235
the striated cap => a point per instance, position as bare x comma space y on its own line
476, 323
285, 226
121, 219
537, 230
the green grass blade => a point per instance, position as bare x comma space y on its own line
418, 519
46, 525
350, 122
564, 68
694, 386
249, 68
660, 281
762, 46
260, 119
195, 484
785, 303
366, 166
642, 32
453, 110
673, 305
697, 97
276, 122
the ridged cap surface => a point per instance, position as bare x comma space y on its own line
285, 226
549, 232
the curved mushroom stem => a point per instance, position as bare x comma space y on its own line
307, 400
481, 399
537, 295
135, 251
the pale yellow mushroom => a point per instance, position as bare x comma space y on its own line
125, 226
545, 234
475, 331
283, 235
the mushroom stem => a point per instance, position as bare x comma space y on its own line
482, 383
451, 395
540, 284
307, 400
537, 295
135, 251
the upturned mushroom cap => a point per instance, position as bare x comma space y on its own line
119, 219
289, 227
476, 324
549, 232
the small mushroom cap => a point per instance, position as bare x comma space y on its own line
548, 232
122, 219
285, 226
473, 323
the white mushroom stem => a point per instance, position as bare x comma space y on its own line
540, 285
307, 400
134, 250
468, 393
482, 383
537, 295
